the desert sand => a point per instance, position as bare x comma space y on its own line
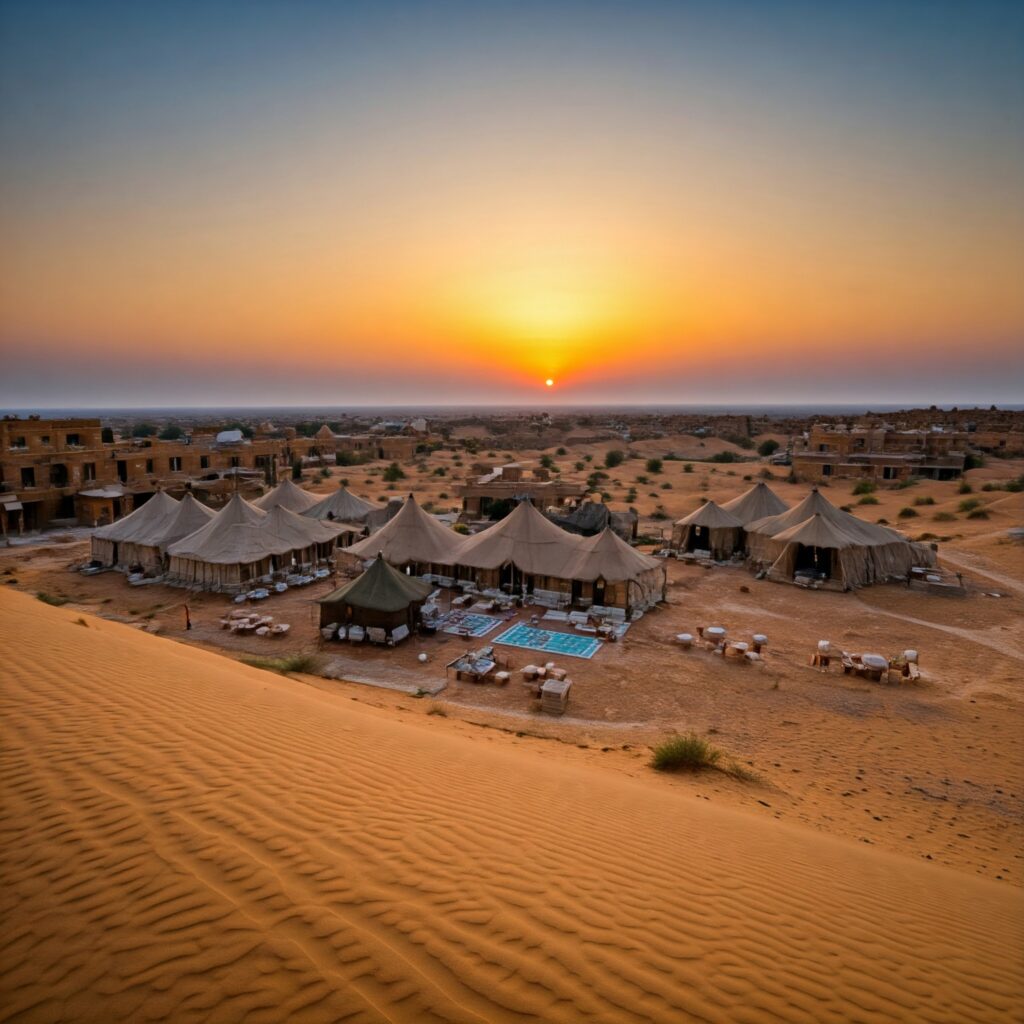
187, 838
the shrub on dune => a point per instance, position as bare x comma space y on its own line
689, 752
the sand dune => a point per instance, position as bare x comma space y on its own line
187, 839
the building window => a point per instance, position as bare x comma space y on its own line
45, 439
174, 463
204, 461
888, 472
88, 470
822, 447
235, 462
72, 439
149, 465
18, 442
28, 476
826, 470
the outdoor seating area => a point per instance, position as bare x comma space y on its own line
474, 666
715, 640
241, 622
549, 642
548, 683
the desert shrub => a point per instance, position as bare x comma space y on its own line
978, 513
688, 467
974, 460
653, 465
690, 752
907, 512
659, 513
910, 481
965, 488
561, 451
172, 432
864, 487
725, 457
643, 479
926, 499
324, 473
868, 499
666, 486
437, 709
613, 458
440, 471
460, 528
304, 663
443, 495
943, 517
766, 448
579, 466
53, 599
1015, 486
547, 462
969, 504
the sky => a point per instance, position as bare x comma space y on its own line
282, 203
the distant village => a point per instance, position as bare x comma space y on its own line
64, 472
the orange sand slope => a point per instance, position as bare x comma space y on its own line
187, 839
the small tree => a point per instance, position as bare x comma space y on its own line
654, 465
613, 457
143, 430
172, 432
766, 448
547, 462
394, 472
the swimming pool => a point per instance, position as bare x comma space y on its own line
471, 624
567, 644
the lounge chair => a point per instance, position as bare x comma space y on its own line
398, 634
356, 634
376, 635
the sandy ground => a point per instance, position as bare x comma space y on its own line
186, 838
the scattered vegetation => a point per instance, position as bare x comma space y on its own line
910, 481
944, 517
613, 457
53, 599
969, 504
907, 512
688, 467
926, 499
292, 663
978, 513
689, 752
868, 499
965, 488
766, 448
864, 487
654, 465
437, 709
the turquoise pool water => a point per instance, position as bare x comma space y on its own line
567, 644
472, 624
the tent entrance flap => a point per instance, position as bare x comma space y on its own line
814, 560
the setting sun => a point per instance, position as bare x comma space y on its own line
549, 382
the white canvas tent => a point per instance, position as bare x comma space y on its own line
816, 541
709, 528
343, 506
188, 517
135, 539
756, 503
624, 577
286, 495
411, 538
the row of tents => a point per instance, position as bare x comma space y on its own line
194, 545
813, 540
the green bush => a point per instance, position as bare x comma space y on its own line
868, 499
302, 663
910, 481
52, 599
978, 513
766, 448
864, 487
561, 451
690, 752
974, 460
653, 465
613, 457
969, 504
907, 512
725, 457
965, 488
688, 467
924, 500
944, 517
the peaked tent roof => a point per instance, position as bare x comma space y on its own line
608, 556
284, 530
711, 515
411, 536
868, 534
758, 502
381, 588
286, 495
818, 532
224, 538
189, 516
143, 526
527, 539
342, 505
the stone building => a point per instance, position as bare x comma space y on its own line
509, 484
879, 453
